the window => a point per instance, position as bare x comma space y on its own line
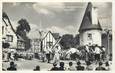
9, 38
89, 36
20, 44
49, 44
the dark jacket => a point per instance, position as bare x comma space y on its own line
80, 67
55, 69
100, 68
11, 69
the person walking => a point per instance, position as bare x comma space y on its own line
56, 55
107, 66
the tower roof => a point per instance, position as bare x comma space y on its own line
90, 20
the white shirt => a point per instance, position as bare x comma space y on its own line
97, 50
103, 49
87, 48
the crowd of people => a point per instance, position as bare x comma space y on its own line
87, 66
92, 55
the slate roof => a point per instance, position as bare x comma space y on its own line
87, 20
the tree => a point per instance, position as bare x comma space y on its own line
22, 31
67, 41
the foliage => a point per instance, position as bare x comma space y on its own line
69, 41
22, 31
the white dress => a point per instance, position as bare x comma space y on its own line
56, 56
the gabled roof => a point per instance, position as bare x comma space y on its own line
55, 35
10, 24
5, 16
87, 20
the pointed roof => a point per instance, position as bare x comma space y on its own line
4, 18
55, 35
87, 22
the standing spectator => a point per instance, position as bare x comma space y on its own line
87, 53
48, 55
79, 67
91, 54
15, 57
110, 57
56, 55
100, 68
103, 53
9, 56
71, 67
61, 68
5, 57
107, 66
37, 68
43, 56
54, 68
97, 53
89, 67
12, 67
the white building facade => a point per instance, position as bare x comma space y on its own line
90, 37
8, 35
90, 29
50, 42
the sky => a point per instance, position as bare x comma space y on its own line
58, 17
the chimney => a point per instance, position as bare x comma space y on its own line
94, 15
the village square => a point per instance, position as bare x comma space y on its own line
66, 37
